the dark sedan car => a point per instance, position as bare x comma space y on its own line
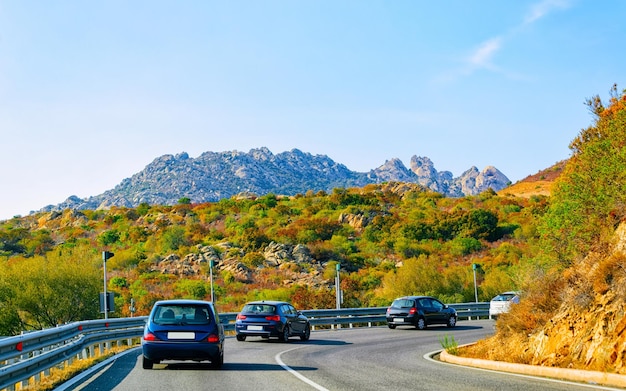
419, 311
271, 319
183, 330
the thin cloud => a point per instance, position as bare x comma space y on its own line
482, 57
542, 9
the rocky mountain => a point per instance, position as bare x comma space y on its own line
216, 175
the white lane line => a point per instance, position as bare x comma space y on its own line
296, 373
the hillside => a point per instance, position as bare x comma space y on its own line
539, 184
571, 312
587, 326
389, 240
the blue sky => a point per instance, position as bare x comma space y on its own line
93, 91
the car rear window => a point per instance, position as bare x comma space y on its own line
504, 297
182, 314
265, 309
402, 303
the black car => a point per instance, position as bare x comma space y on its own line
183, 330
419, 311
271, 319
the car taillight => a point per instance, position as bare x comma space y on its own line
275, 318
388, 309
240, 317
213, 338
413, 310
150, 337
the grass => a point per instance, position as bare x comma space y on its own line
449, 344
59, 375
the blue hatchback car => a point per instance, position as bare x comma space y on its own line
183, 330
271, 319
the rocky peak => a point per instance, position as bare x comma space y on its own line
473, 181
393, 170
216, 175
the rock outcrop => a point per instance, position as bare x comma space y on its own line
216, 175
295, 262
589, 329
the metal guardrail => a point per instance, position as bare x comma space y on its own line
365, 315
32, 354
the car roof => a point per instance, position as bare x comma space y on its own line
271, 302
183, 302
415, 297
509, 293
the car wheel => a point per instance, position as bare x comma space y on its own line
307, 333
421, 323
285, 334
147, 363
452, 321
217, 364
241, 337
391, 326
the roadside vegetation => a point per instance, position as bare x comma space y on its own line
572, 309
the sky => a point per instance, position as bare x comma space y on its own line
91, 92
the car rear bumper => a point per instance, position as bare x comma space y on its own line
401, 321
195, 351
267, 330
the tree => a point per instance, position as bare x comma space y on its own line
589, 198
417, 276
174, 238
10, 323
11, 240
193, 289
109, 237
55, 289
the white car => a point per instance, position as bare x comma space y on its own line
502, 303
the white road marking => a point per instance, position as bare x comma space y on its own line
429, 357
296, 373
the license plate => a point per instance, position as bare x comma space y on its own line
180, 335
255, 328
398, 320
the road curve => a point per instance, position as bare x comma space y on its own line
346, 359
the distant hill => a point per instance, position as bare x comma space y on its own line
537, 184
216, 175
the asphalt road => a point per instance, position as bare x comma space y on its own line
345, 359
